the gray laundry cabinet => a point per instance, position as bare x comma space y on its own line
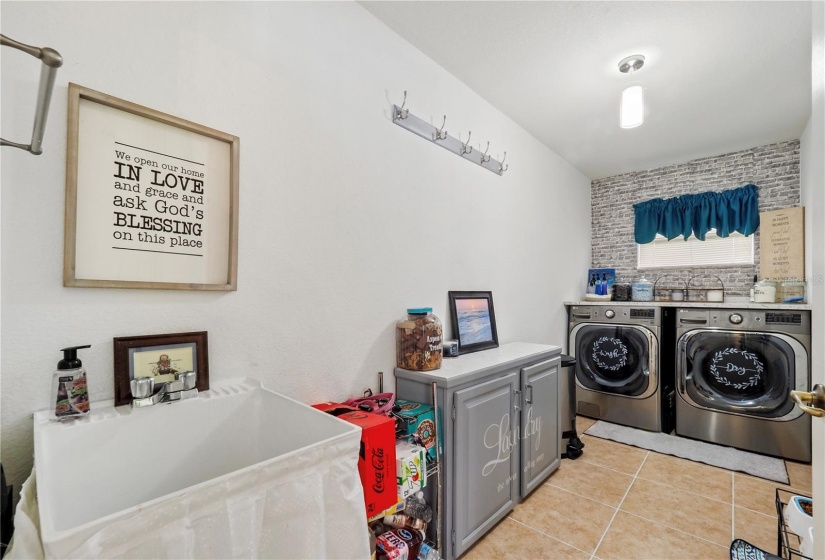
499, 422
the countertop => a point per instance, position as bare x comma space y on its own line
455, 371
729, 303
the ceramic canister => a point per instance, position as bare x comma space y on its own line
764, 291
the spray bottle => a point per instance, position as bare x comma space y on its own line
70, 394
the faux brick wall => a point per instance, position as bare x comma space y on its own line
773, 168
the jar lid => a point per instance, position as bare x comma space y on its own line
420, 310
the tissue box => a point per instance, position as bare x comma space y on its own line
376, 459
418, 419
411, 468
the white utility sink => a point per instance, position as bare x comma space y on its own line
237, 472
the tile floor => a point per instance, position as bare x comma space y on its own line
621, 502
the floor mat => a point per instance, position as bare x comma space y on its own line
711, 454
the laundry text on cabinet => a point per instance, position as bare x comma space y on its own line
501, 438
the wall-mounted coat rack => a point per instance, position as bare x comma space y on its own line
51, 62
439, 136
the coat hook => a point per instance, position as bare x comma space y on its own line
441, 134
484, 157
464, 146
401, 113
501, 167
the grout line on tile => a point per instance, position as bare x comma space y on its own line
583, 460
754, 511
685, 491
615, 513
546, 535
580, 496
675, 529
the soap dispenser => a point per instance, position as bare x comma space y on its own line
70, 394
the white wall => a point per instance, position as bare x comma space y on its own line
345, 219
812, 177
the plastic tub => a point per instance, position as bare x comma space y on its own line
237, 472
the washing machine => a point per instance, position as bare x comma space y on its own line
735, 370
618, 352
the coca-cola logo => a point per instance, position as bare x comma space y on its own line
378, 466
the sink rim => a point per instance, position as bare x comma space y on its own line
105, 410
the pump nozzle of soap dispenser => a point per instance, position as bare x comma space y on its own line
70, 360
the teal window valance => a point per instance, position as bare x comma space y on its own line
726, 211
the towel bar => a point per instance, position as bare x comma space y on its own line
51, 62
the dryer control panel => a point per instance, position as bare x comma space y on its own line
798, 322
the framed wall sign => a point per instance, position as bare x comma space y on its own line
782, 243
151, 199
473, 321
160, 356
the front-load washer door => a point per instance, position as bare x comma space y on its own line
615, 359
748, 373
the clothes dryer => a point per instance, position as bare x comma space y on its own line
618, 378
734, 373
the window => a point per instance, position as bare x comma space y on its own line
736, 249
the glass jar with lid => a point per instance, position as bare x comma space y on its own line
418, 340
793, 290
642, 290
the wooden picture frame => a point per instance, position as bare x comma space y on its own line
151, 199
473, 319
142, 356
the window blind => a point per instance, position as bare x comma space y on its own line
736, 249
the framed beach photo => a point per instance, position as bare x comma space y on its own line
160, 356
473, 321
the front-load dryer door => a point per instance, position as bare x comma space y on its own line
615, 359
750, 373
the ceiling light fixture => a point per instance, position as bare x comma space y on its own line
632, 111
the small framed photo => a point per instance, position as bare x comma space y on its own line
473, 320
160, 356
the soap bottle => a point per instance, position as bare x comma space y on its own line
752, 286
70, 394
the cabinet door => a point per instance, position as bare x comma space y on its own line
486, 458
540, 435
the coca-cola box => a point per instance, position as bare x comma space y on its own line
376, 458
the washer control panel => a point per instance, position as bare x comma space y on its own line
651, 316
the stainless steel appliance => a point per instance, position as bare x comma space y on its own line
735, 370
618, 378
